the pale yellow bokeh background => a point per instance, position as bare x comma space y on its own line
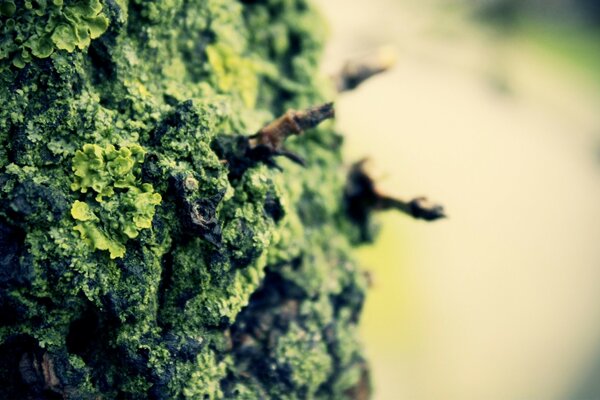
502, 300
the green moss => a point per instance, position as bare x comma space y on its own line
306, 355
204, 382
233, 73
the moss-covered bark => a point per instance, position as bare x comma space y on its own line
134, 264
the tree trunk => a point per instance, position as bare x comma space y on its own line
156, 242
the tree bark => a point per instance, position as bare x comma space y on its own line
150, 246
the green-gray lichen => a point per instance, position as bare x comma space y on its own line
134, 264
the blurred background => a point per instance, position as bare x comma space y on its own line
493, 109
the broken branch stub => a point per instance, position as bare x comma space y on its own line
273, 135
363, 197
418, 208
241, 152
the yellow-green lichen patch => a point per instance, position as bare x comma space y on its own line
36, 28
233, 73
306, 356
204, 381
122, 205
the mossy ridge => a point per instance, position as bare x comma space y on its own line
184, 315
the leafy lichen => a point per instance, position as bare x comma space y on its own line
37, 28
129, 206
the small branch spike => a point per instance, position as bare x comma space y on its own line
363, 196
240, 152
358, 70
418, 208
273, 135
